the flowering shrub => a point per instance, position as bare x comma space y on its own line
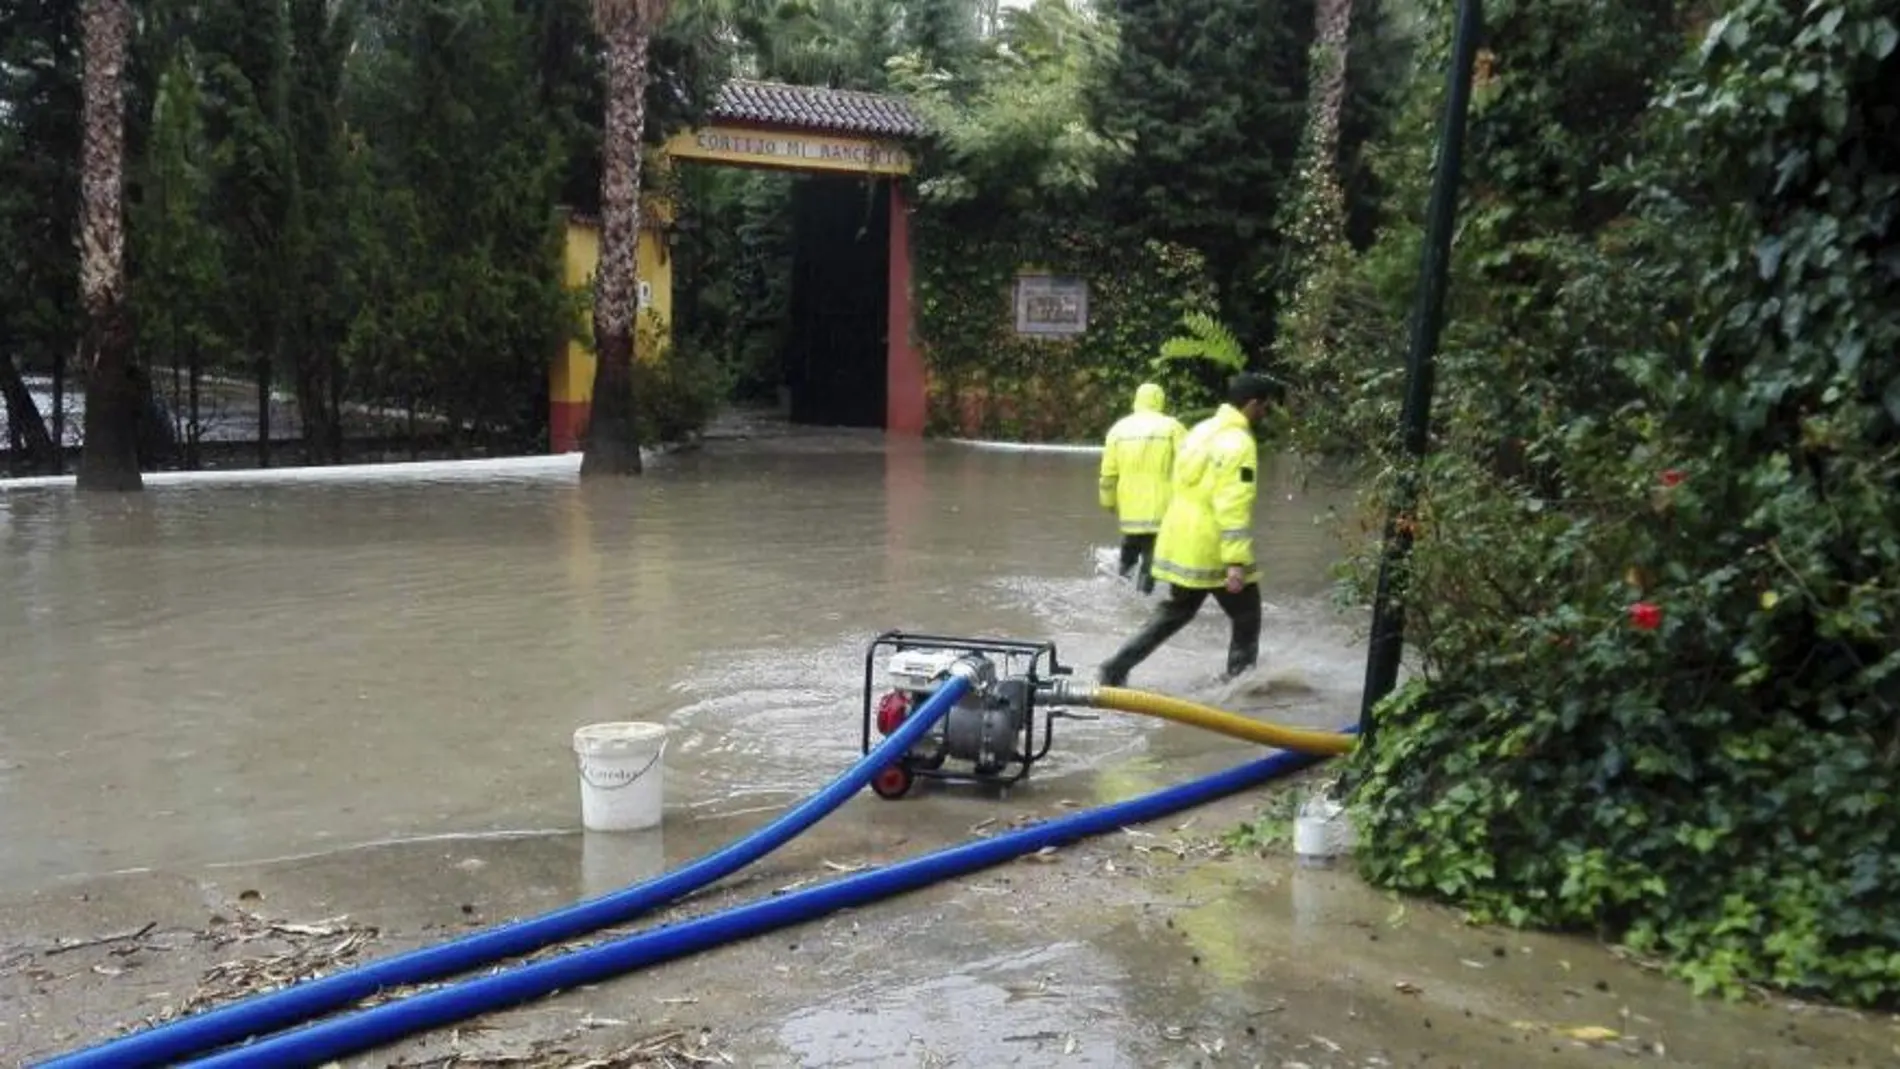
1656, 591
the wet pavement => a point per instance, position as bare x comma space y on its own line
1144, 948
298, 697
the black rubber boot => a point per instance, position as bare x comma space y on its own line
1173, 614
1243, 643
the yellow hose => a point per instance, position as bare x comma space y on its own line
1328, 743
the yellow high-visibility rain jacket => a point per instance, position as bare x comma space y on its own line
1209, 522
1138, 461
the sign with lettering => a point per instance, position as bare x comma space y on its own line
792, 151
1051, 306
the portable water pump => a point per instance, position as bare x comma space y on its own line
992, 729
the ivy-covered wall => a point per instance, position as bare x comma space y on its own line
987, 381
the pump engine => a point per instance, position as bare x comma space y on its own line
992, 728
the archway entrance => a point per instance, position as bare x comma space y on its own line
852, 359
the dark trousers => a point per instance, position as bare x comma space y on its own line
1175, 612
1138, 550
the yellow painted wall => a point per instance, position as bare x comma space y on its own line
572, 377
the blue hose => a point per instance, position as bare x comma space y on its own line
366, 1029
176, 1040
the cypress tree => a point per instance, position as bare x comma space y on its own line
1212, 92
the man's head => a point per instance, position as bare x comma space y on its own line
1252, 393
1150, 398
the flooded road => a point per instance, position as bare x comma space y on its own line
249, 666
256, 726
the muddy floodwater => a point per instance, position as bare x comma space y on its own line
253, 668
352, 692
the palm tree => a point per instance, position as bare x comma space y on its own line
613, 441
114, 393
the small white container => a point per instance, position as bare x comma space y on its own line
623, 772
1322, 831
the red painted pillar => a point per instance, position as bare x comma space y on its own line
905, 389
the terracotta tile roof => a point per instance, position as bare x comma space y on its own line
833, 111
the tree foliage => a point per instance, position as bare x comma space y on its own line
467, 176
1653, 592
1013, 129
313, 208
1205, 338
177, 268
39, 187
356, 200
1211, 94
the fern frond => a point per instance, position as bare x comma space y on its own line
1207, 339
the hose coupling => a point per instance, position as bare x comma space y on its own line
1068, 690
979, 670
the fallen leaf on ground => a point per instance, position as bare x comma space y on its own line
311, 949
673, 1050
1032, 1037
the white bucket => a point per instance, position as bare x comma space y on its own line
622, 775
1322, 831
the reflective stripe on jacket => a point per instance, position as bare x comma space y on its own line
1138, 461
1209, 522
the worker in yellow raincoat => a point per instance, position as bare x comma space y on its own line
1206, 541
1137, 464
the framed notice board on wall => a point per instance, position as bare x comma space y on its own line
1051, 306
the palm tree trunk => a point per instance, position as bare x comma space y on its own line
114, 396
613, 439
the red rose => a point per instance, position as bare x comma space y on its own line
1646, 616
1672, 477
